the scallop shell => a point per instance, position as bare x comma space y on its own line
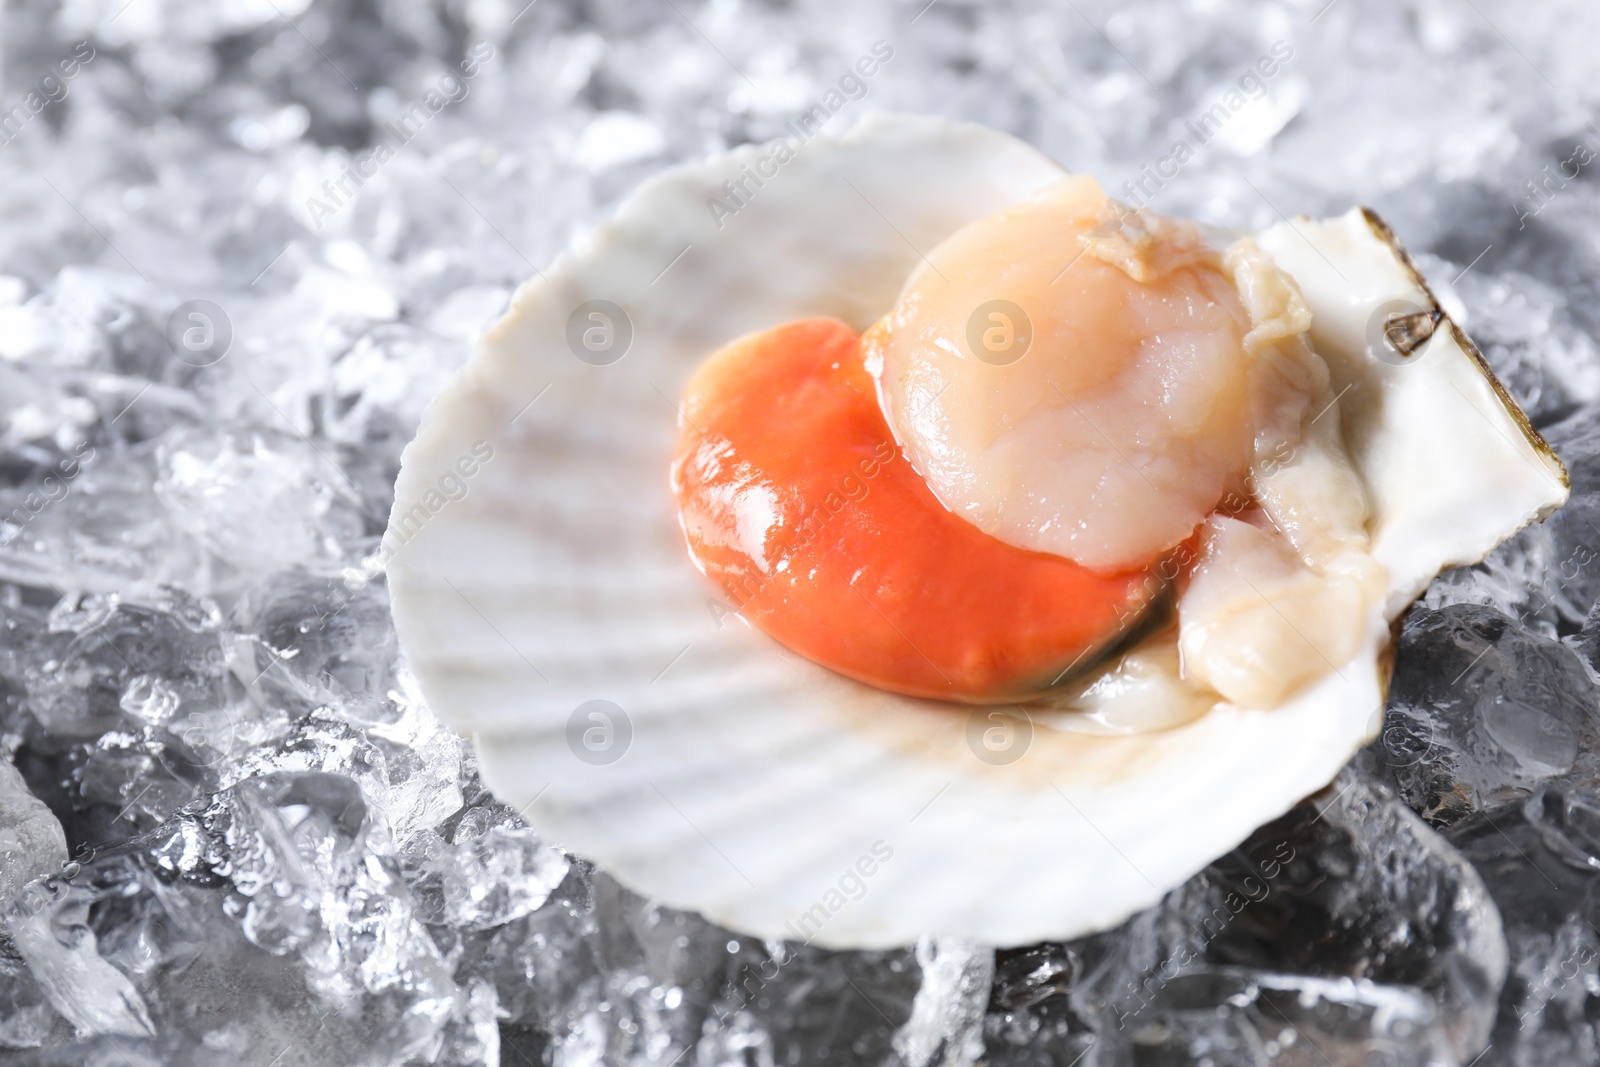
546, 602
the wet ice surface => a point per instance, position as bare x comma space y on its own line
277, 856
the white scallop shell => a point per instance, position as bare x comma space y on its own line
752, 786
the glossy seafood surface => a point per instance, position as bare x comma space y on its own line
797, 502
1071, 381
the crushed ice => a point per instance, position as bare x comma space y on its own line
236, 260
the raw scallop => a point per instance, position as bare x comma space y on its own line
553, 614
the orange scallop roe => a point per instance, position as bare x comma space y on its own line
798, 503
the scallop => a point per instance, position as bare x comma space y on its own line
1070, 379
551, 613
